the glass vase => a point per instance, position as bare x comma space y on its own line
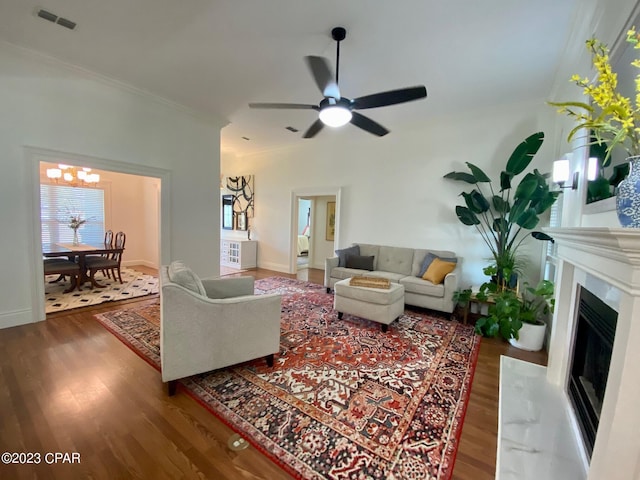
75, 237
628, 196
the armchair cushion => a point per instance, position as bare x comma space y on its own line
182, 275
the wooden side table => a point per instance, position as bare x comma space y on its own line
475, 300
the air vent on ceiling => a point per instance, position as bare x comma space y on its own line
292, 129
63, 22
246, 138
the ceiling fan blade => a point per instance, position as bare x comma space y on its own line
367, 124
296, 106
325, 80
391, 97
313, 129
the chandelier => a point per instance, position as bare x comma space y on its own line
73, 175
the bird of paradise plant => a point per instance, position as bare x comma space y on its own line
612, 118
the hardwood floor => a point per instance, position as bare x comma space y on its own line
68, 385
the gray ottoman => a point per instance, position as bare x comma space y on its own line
377, 304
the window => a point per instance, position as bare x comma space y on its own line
59, 202
552, 249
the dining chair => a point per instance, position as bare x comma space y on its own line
111, 263
63, 267
108, 243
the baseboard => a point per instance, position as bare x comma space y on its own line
15, 318
144, 263
278, 267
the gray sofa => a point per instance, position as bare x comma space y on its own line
400, 265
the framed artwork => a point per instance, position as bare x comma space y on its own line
331, 221
240, 190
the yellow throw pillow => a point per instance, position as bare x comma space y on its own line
438, 270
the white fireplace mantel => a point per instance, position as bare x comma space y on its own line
606, 260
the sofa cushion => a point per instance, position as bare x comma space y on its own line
344, 272
421, 253
361, 262
429, 258
182, 275
395, 260
422, 287
438, 270
342, 254
368, 250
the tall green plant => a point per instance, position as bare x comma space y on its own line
503, 214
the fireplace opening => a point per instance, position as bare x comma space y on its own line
592, 349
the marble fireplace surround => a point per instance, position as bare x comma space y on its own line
607, 262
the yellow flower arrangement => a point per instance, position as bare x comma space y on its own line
611, 117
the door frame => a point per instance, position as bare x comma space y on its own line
293, 226
34, 156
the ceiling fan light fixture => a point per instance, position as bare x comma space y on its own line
335, 115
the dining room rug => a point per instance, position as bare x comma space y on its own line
134, 284
344, 399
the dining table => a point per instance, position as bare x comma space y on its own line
78, 253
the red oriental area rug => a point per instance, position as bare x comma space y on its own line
344, 399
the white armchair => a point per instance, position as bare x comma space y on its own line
210, 324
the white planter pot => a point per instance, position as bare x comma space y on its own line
531, 337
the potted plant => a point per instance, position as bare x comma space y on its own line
537, 304
462, 296
505, 213
518, 318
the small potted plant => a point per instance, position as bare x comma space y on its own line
537, 304
518, 318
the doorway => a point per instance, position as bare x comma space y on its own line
303, 250
155, 226
315, 214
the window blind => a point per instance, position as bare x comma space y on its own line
555, 219
59, 202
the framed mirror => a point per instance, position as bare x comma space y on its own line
227, 212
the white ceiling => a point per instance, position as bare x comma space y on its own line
217, 56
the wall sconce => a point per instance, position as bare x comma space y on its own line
561, 174
592, 169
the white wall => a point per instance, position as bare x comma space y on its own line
134, 210
392, 187
49, 106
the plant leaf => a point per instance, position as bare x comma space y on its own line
479, 175
527, 187
542, 236
500, 205
462, 176
505, 180
523, 154
500, 225
476, 202
528, 219
466, 216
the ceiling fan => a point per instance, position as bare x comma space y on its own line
335, 110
